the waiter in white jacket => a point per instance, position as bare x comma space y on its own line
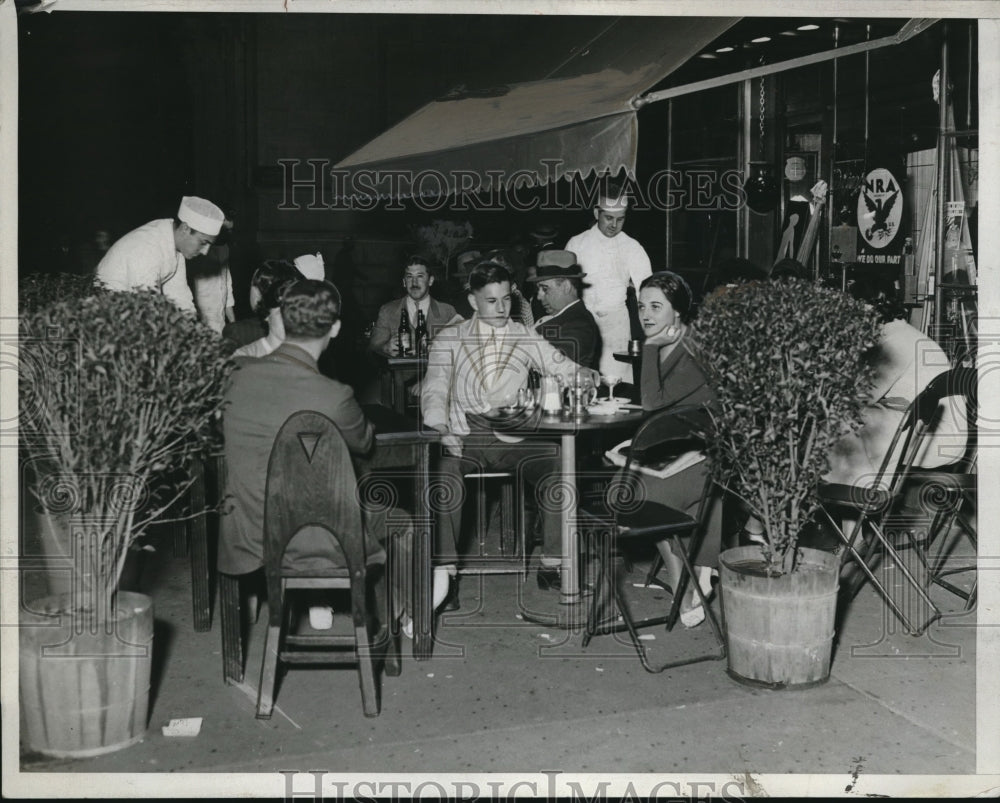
611, 259
153, 256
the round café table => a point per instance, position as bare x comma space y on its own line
568, 429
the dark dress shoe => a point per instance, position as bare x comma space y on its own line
451, 602
549, 578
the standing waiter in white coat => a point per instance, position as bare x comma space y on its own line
153, 256
611, 259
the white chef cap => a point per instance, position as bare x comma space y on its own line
311, 266
201, 215
619, 204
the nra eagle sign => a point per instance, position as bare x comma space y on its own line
880, 210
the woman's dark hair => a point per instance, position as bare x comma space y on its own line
271, 279
676, 290
789, 269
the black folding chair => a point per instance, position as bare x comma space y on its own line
624, 514
951, 492
875, 509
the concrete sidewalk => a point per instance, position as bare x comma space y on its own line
503, 695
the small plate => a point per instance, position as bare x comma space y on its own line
604, 408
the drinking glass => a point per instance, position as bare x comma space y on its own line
612, 384
609, 381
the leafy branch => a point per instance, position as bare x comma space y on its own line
787, 363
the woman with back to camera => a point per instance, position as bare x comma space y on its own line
671, 377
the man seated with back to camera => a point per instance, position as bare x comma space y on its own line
263, 393
474, 367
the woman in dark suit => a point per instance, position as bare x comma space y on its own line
672, 377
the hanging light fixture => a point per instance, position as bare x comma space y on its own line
760, 187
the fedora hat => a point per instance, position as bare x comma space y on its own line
555, 264
544, 233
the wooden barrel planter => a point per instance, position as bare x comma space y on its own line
50, 536
52, 531
779, 629
85, 693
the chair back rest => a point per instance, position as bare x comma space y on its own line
680, 427
310, 482
961, 386
670, 431
955, 386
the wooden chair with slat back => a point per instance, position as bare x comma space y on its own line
311, 482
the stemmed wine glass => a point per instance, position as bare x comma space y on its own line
611, 381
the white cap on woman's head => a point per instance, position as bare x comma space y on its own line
201, 215
311, 266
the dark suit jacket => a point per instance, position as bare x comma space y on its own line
262, 394
574, 332
439, 315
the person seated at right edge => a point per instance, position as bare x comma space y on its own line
672, 377
474, 367
905, 361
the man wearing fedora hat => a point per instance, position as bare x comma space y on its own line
153, 256
567, 324
612, 260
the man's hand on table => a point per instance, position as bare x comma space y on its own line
452, 443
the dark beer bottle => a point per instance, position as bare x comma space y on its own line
420, 334
403, 333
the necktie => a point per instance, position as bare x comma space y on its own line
524, 309
491, 357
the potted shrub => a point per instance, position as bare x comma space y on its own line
118, 393
787, 363
37, 290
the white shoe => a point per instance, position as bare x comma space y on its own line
320, 617
693, 617
441, 584
705, 575
406, 625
